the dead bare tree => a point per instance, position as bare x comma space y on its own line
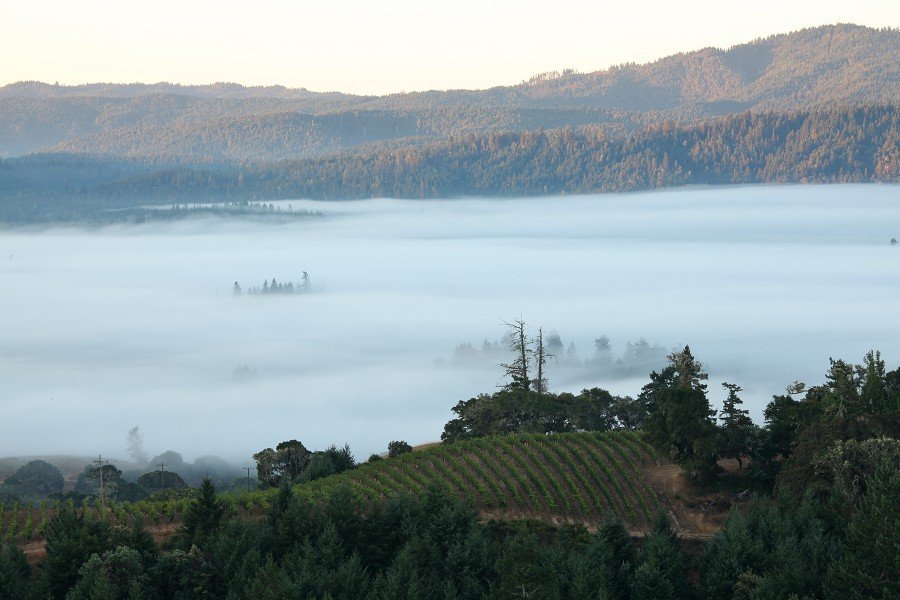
520, 345
541, 355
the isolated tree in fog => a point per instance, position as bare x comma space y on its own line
136, 446
519, 344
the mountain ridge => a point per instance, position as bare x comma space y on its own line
812, 68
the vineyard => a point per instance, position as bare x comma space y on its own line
569, 477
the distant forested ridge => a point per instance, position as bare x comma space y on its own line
841, 145
827, 146
817, 105
834, 65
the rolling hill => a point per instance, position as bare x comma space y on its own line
809, 69
576, 478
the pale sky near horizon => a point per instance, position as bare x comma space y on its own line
380, 46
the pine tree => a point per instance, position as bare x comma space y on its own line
608, 565
737, 427
679, 415
873, 395
870, 563
204, 515
661, 573
524, 570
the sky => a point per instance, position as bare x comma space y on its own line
106, 329
381, 46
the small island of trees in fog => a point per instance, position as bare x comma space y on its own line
276, 287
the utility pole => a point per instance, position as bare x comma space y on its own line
162, 475
248, 476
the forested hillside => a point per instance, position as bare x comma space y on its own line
560, 506
813, 68
838, 145
828, 146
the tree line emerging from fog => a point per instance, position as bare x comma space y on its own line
822, 146
636, 358
823, 519
276, 287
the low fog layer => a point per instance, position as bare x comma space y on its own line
106, 329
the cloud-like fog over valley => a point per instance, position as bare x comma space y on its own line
106, 329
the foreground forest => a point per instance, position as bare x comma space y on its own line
531, 494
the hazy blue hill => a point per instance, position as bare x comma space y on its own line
812, 68
38, 89
840, 64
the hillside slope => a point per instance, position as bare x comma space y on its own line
572, 477
808, 69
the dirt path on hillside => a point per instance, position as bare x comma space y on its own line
696, 516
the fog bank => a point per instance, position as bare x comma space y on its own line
106, 329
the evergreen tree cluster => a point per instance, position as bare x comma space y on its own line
276, 287
433, 546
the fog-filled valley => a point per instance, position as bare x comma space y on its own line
105, 329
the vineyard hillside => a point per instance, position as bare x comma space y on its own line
575, 478
580, 478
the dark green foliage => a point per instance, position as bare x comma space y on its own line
331, 461
71, 540
271, 583
606, 568
187, 575
38, 477
786, 548
514, 411
679, 415
785, 418
14, 573
869, 564
844, 469
524, 570
204, 515
397, 448
661, 573
736, 434
140, 540
291, 462
161, 480
118, 573
287, 461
